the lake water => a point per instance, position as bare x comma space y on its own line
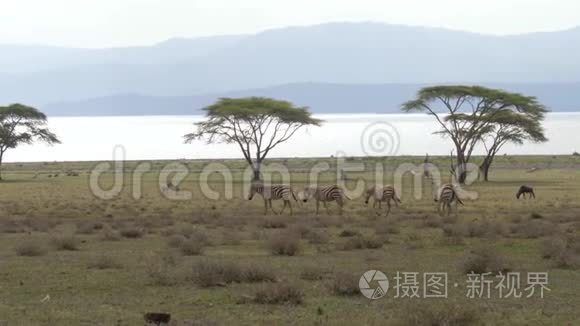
160, 137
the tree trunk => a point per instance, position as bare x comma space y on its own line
461, 169
1, 156
256, 169
484, 169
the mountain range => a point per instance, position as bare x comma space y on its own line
336, 67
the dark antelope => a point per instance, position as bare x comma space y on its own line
526, 190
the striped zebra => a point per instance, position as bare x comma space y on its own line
324, 194
382, 194
445, 196
273, 192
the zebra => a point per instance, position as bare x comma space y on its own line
445, 196
273, 192
324, 194
382, 194
526, 190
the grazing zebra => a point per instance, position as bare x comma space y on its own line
273, 192
382, 194
445, 196
324, 194
526, 190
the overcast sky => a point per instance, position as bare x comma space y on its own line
104, 23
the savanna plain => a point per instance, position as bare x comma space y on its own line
68, 257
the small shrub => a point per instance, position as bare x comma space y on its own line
88, 227
11, 226
536, 228
287, 244
30, 248
256, 273
279, 294
551, 248
567, 260
312, 273
175, 241
383, 228
110, 235
414, 241
317, 237
192, 247
160, 273
373, 242
345, 284
484, 260
432, 222
104, 262
351, 244
231, 239
186, 230
131, 233
563, 253
67, 242
361, 242
440, 313
348, 233
208, 273
273, 223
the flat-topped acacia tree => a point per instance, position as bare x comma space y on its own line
21, 124
466, 114
509, 127
256, 124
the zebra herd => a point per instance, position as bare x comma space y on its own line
445, 196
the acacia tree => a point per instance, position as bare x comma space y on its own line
256, 124
466, 113
509, 127
21, 124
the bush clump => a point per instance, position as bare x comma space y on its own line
345, 284
284, 244
66, 242
484, 259
208, 273
279, 294
30, 248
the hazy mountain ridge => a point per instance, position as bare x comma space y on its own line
345, 53
320, 97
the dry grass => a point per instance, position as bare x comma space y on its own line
245, 252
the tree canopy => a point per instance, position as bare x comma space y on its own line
468, 114
256, 124
21, 124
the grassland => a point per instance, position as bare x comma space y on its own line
70, 258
